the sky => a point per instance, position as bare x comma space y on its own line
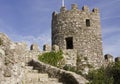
30, 20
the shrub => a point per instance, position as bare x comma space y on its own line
99, 76
115, 71
69, 68
108, 75
52, 58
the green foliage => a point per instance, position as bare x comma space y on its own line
1, 41
52, 58
116, 72
69, 68
73, 69
108, 75
99, 77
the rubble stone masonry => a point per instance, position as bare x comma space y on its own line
80, 30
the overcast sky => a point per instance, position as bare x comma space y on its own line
30, 20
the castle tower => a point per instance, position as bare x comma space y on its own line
79, 30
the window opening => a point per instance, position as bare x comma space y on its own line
69, 43
88, 22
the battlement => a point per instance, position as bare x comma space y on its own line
63, 9
75, 7
85, 8
79, 29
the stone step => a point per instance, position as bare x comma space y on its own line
49, 82
43, 77
34, 77
35, 71
29, 67
53, 79
43, 83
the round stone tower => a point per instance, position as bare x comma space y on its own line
79, 30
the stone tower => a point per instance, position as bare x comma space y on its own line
78, 30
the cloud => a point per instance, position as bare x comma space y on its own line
111, 40
40, 40
112, 46
110, 31
29, 20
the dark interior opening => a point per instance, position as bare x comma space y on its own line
88, 22
69, 43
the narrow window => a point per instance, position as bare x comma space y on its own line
69, 43
88, 22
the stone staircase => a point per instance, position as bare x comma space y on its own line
34, 77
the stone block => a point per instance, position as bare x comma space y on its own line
34, 47
117, 59
108, 58
46, 47
55, 48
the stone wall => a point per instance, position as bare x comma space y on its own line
85, 37
70, 57
13, 57
64, 76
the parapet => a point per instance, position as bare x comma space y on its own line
74, 6
54, 13
34, 47
85, 8
96, 10
117, 59
63, 9
46, 47
108, 58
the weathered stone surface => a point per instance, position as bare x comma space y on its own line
76, 32
108, 58
10, 60
70, 57
80, 30
64, 76
2, 52
55, 48
7, 72
5, 39
46, 47
34, 47
32, 76
117, 59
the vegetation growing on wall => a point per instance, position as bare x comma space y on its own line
109, 75
52, 58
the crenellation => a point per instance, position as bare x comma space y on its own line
74, 6
95, 10
108, 58
63, 9
117, 59
81, 31
85, 8
46, 48
54, 14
